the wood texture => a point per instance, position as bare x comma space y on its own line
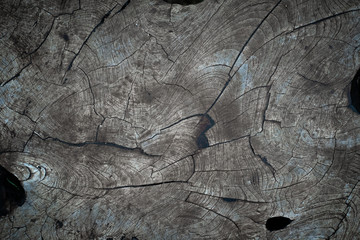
150, 120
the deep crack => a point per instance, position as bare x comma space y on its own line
230, 77
94, 29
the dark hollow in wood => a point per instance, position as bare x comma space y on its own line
229, 199
277, 223
205, 123
12, 194
355, 93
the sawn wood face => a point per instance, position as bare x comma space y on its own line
201, 120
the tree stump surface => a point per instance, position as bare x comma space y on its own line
156, 120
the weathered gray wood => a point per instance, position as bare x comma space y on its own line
164, 121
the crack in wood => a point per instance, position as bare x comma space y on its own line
230, 77
347, 210
94, 29
325, 18
263, 159
107, 144
141, 185
16, 75
216, 213
123, 7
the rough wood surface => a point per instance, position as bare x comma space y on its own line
149, 120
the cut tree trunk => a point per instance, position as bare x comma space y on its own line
159, 120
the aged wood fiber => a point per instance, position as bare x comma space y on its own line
150, 120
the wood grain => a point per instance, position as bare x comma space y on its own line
155, 120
